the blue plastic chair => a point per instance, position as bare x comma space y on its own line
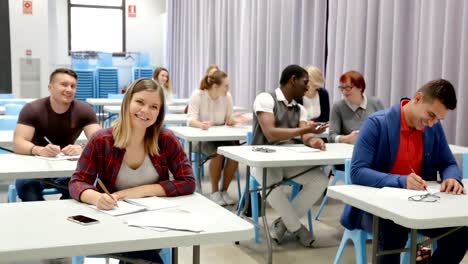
6, 95
13, 109
8, 122
165, 254
254, 184
338, 175
104, 59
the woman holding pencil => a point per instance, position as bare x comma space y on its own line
133, 157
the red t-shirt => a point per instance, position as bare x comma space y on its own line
410, 150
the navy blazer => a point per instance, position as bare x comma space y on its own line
324, 100
375, 152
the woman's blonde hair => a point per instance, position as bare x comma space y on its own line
211, 69
122, 129
216, 77
166, 86
315, 76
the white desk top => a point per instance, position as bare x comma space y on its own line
336, 153
179, 101
450, 211
39, 230
2, 110
215, 133
16, 166
6, 138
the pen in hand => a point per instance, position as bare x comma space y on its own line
425, 188
48, 141
106, 191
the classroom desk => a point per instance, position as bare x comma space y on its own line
6, 138
413, 215
336, 153
2, 110
40, 230
15, 166
215, 133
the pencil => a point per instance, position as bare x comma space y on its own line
106, 191
48, 141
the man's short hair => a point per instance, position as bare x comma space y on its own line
441, 90
290, 71
70, 72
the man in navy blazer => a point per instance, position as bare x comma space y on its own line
404, 146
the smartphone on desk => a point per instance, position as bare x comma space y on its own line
82, 220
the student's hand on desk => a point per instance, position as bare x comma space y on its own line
317, 143
351, 137
72, 150
239, 118
452, 186
105, 202
47, 151
205, 125
415, 182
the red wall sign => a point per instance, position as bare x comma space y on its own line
27, 7
131, 10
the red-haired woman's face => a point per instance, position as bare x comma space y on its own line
351, 92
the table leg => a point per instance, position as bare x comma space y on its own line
413, 249
196, 254
199, 164
175, 255
265, 223
375, 238
247, 192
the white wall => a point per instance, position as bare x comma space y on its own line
29, 32
46, 34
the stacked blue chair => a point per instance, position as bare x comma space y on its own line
13, 109
142, 68
107, 79
254, 185
12, 101
6, 96
85, 87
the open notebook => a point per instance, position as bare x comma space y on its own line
129, 206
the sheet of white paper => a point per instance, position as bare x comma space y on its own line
59, 156
403, 193
153, 203
170, 218
124, 208
303, 149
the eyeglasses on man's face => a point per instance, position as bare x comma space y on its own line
347, 87
428, 197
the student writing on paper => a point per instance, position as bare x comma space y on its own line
59, 118
133, 157
211, 105
278, 119
403, 147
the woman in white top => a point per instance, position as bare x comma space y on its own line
316, 100
161, 76
211, 105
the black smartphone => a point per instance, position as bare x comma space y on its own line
82, 220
